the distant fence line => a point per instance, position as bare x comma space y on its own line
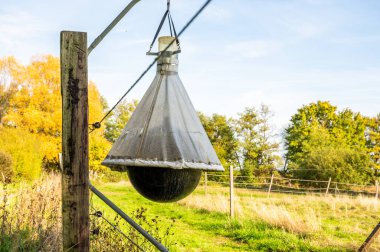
292, 185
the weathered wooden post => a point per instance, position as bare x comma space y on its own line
232, 210
377, 190
205, 183
328, 187
75, 180
271, 183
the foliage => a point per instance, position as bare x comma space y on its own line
118, 119
30, 216
30, 220
31, 100
8, 86
298, 132
36, 105
6, 172
107, 238
325, 157
373, 141
257, 144
249, 138
324, 142
25, 150
220, 131
98, 149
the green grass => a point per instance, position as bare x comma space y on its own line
204, 230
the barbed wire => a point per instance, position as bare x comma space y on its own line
276, 187
289, 179
99, 214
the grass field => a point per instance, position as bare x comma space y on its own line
278, 223
30, 220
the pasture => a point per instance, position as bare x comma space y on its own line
281, 222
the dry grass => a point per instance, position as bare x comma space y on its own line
30, 220
30, 216
304, 215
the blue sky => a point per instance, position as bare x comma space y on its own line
238, 53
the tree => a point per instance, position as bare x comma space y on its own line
25, 151
297, 134
326, 156
118, 119
9, 68
373, 141
220, 131
321, 137
35, 106
258, 146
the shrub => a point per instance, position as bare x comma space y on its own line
24, 148
6, 167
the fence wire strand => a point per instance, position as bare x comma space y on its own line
287, 184
115, 227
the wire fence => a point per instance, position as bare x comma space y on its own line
291, 185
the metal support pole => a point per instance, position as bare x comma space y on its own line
367, 243
111, 26
75, 180
128, 219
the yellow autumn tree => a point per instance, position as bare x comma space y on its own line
99, 146
36, 107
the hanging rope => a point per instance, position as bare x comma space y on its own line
97, 125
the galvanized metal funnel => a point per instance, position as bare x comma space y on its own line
164, 136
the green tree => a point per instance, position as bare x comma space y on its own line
116, 122
220, 131
297, 134
321, 137
326, 156
258, 146
373, 141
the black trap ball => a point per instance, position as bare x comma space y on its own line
163, 184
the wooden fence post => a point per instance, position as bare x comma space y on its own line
232, 212
205, 183
75, 180
377, 190
328, 187
271, 183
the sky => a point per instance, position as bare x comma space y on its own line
237, 54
